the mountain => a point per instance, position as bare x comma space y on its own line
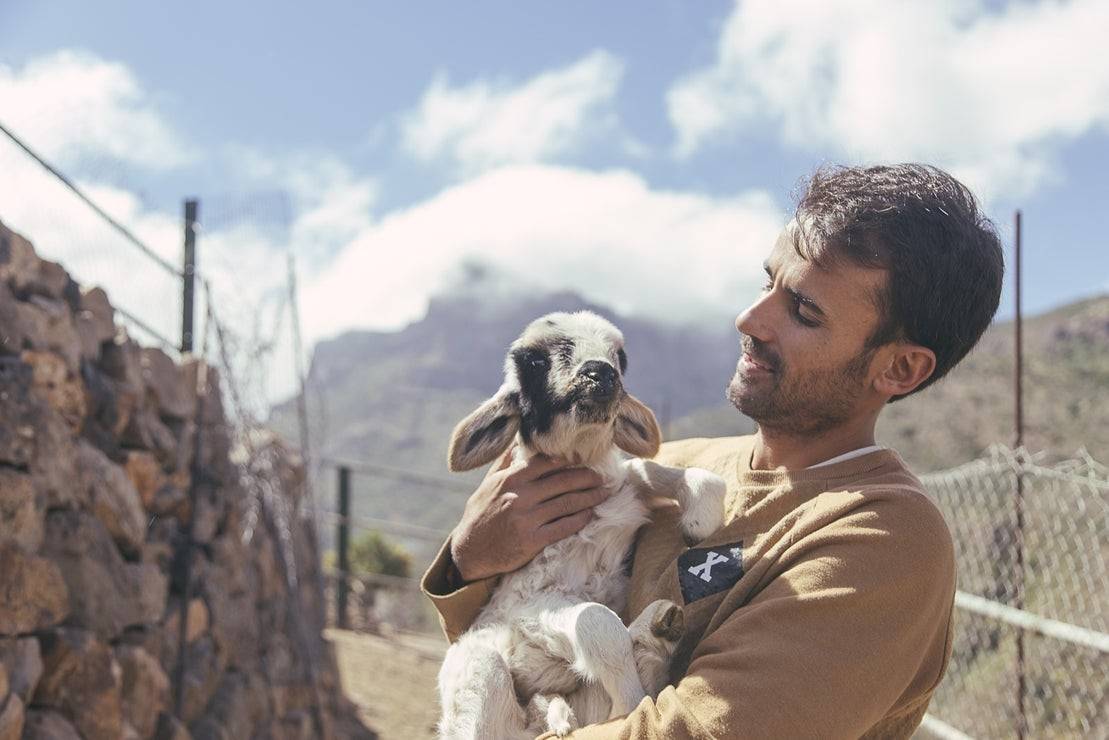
392, 399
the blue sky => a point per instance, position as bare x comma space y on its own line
642, 153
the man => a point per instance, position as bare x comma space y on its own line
823, 607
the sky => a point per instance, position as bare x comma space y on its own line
642, 153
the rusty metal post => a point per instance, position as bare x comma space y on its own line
344, 543
188, 278
1018, 395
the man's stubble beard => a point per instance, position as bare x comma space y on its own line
805, 406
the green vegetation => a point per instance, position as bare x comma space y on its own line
373, 552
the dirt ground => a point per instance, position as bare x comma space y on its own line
392, 680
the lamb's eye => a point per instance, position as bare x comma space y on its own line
538, 362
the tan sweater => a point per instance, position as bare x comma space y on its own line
822, 609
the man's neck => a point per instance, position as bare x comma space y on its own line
777, 451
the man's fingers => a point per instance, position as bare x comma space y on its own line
569, 504
537, 467
564, 527
563, 482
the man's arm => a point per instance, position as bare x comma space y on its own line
854, 627
516, 511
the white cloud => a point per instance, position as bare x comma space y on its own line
330, 203
987, 93
671, 255
485, 124
71, 104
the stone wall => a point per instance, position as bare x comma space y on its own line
104, 480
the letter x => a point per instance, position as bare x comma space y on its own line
704, 570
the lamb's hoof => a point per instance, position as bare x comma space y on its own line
669, 623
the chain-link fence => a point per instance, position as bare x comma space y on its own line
1031, 646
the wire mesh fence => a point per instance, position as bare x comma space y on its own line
373, 566
1031, 645
81, 226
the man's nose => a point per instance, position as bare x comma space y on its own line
755, 321
599, 371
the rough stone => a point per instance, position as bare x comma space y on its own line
52, 382
18, 261
234, 617
165, 384
11, 718
48, 325
22, 660
196, 624
108, 411
151, 586
45, 724
81, 679
54, 465
4, 686
17, 433
205, 663
112, 498
145, 473
102, 590
144, 689
20, 516
146, 431
98, 311
33, 437
238, 706
11, 329
207, 728
171, 501
171, 728
32, 592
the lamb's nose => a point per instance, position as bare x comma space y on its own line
599, 371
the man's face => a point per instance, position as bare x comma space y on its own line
804, 368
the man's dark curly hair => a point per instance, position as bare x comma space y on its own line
943, 256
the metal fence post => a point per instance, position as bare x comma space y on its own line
343, 536
188, 278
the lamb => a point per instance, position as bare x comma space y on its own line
548, 652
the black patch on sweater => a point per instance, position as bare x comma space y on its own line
704, 571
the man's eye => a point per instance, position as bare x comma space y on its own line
801, 318
768, 287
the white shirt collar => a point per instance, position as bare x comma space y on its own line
848, 456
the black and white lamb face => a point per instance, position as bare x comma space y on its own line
563, 395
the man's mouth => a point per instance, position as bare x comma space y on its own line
752, 362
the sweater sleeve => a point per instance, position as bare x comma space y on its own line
850, 630
458, 606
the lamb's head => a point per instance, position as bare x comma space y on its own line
563, 394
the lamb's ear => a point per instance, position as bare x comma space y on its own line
485, 433
637, 432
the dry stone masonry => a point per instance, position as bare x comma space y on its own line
98, 444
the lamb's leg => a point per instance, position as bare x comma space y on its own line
550, 713
655, 634
477, 696
700, 493
602, 651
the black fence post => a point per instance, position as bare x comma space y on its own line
343, 536
188, 278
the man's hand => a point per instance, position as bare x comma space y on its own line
518, 510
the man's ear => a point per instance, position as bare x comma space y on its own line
908, 366
485, 433
637, 432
